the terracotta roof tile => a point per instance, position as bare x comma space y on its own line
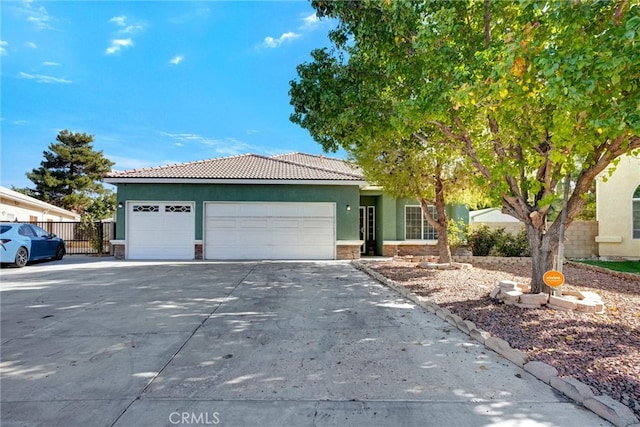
294, 166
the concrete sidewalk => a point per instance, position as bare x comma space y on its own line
124, 343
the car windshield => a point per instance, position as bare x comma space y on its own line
4, 228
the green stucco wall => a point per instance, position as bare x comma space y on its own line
347, 227
453, 212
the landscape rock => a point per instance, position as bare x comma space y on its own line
586, 306
538, 299
495, 292
572, 388
466, 326
562, 302
611, 410
480, 336
541, 370
507, 285
510, 297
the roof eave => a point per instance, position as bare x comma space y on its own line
138, 180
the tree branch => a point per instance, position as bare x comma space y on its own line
487, 24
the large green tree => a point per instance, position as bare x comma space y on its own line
529, 92
71, 174
346, 104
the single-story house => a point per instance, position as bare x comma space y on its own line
494, 218
18, 207
618, 210
290, 206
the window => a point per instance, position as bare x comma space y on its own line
146, 208
26, 230
177, 208
635, 209
416, 227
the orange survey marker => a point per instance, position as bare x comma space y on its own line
553, 278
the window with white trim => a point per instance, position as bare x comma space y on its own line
416, 226
635, 213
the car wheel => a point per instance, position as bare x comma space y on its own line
59, 252
22, 256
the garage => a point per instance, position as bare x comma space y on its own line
160, 230
270, 230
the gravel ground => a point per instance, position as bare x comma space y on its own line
601, 350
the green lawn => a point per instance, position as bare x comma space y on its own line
624, 266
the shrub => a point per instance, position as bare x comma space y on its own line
481, 240
457, 233
510, 245
485, 242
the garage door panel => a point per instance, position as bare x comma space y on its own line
288, 223
252, 223
270, 230
163, 230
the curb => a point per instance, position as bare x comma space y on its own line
603, 406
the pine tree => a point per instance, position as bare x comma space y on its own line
70, 176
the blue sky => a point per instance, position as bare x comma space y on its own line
155, 82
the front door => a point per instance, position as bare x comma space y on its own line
368, 230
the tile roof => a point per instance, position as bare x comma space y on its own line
294, 166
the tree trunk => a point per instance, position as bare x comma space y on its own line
543, 246
441, 225
444, 251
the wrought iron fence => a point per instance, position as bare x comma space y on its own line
82, 237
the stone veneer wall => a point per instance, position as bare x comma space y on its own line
391, 250
347, 252
118, 251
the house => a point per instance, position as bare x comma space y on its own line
494, 219
618, 210
18, 207
291, 206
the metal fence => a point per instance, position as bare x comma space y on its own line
82, 237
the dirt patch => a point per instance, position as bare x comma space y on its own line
601, 350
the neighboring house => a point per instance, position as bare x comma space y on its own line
291, 206
18, 207
618, 210
494, 219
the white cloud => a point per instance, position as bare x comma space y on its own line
51, 64
273, 43
221, 146
41, 78
176, 59
124, 27
117, 45
3, 45
310, 22
119, 20
36, 15
31, 45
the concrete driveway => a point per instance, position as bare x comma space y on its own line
95, 342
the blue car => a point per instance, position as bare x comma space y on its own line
22, 243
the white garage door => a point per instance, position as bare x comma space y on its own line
270, 230
164, 230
